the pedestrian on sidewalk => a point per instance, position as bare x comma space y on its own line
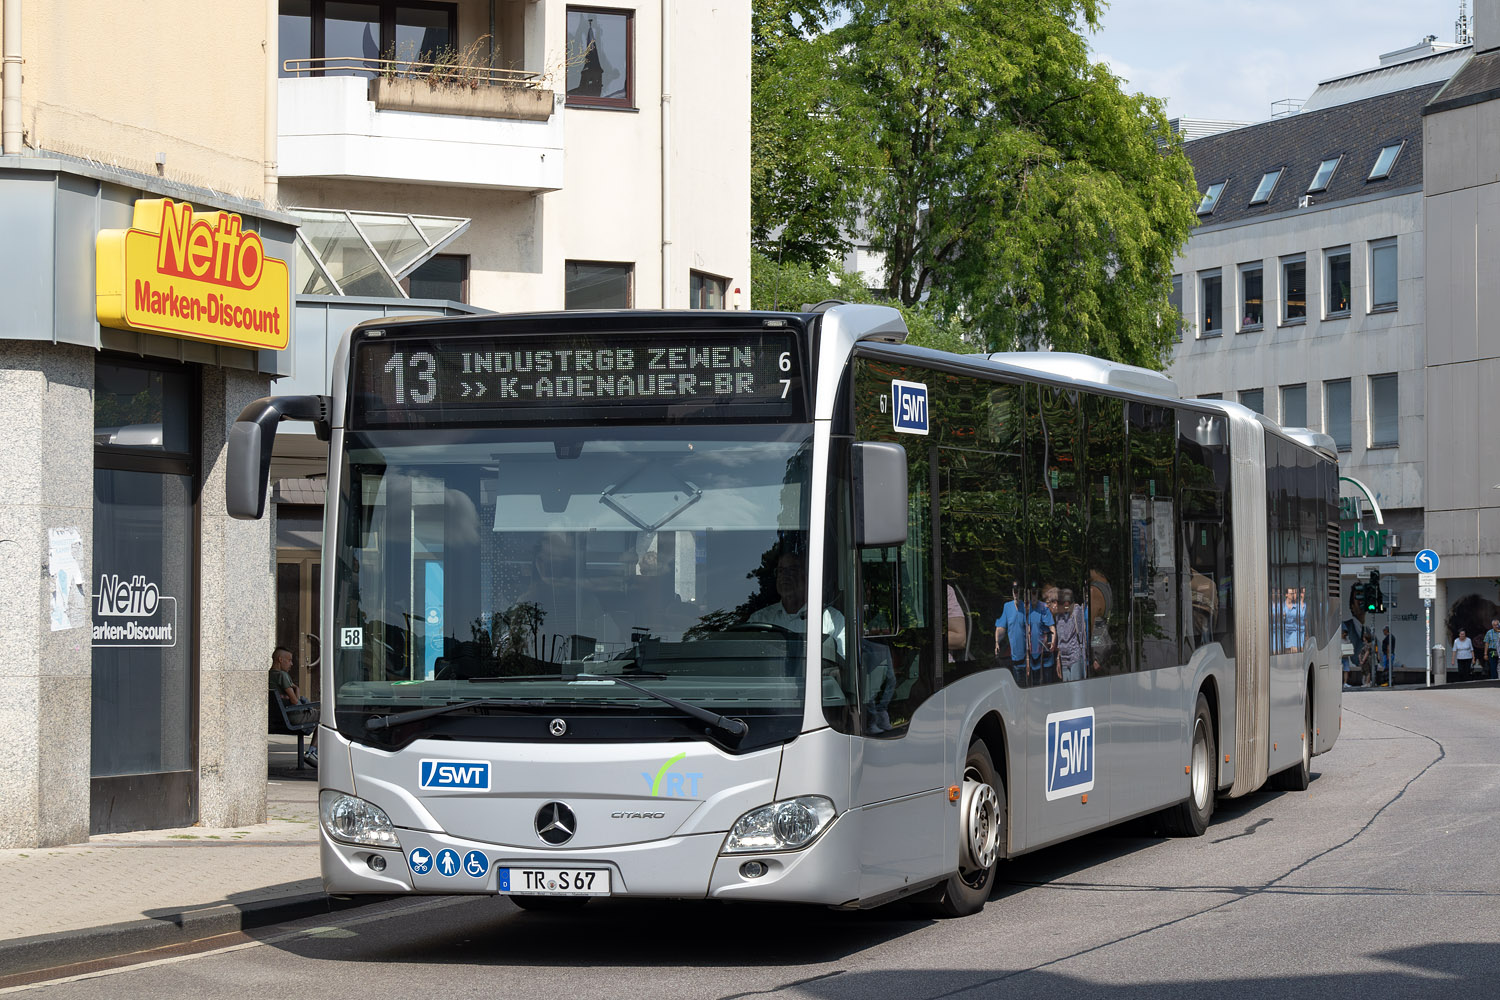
298, 708
1463, 655
1492, 649
1387, 651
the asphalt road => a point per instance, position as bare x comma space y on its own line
1380, 881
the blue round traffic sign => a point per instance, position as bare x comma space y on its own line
1427, 561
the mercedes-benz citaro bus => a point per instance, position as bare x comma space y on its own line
772, 606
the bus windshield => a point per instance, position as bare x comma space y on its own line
523, 567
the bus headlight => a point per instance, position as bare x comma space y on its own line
780, 826
354, 821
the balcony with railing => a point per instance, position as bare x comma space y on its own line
443, 120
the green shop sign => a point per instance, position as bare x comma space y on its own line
1357, 543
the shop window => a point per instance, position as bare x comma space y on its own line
597, 285
706, 292
443, 276
600, 56
141, 409
364, 37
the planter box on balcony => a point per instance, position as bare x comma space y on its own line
524, 103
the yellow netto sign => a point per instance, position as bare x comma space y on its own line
203, 277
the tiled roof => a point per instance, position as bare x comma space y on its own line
1357, 131
1477, 82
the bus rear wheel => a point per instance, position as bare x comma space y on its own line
1296, 779
981, 835
1191, 817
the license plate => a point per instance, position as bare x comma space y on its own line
554, 881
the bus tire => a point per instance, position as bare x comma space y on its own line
1191, 817
549, 904
1296, 779
981, 835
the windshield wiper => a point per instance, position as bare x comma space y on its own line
379, 722
734, 727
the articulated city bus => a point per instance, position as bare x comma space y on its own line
771, 606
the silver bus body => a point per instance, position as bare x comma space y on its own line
896, 822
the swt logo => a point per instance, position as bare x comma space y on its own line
471, 775
1070, 752
671, 783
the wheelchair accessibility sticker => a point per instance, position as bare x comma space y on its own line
476, 864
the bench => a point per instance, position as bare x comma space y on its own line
279, 722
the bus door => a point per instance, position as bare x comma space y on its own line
901, 757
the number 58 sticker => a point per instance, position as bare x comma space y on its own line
351, 638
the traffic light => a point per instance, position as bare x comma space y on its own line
1374, 598
1357, 595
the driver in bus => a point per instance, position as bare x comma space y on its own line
572, 621
790, 612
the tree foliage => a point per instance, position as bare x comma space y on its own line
1015, 189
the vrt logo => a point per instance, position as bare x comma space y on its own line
679, 785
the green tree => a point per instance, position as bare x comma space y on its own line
1015, 189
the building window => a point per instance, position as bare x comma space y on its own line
1211, 198
1336, 413
1324, 176
1251, 301
595, 285
601, 54
1336, 282
1384, 412
1266, 186
1383, 275
1294, 289
441, 276
1174, 299
1210, 303
354, 37
1210, 395
1385, 162
706, 292
1255, 399
1294, 405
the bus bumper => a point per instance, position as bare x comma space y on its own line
689, 867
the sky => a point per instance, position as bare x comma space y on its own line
1231, 59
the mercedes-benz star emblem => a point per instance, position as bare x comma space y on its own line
558, 727
555, 824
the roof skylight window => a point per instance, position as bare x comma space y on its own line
1211, 197
1324, 175
1266, 186
1385, 161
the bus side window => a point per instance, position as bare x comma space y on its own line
1107, 583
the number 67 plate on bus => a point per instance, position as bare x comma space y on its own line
554, 881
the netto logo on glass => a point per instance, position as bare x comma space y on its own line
672, 784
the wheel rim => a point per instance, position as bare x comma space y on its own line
980, 836
1200, 765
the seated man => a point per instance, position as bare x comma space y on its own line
298, 708
790, 612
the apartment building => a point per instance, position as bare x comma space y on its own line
1308, 292
194, 225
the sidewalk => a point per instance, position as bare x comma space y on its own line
126, 892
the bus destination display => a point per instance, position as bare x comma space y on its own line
401, 379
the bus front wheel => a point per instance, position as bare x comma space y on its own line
981, 835
1190, 818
